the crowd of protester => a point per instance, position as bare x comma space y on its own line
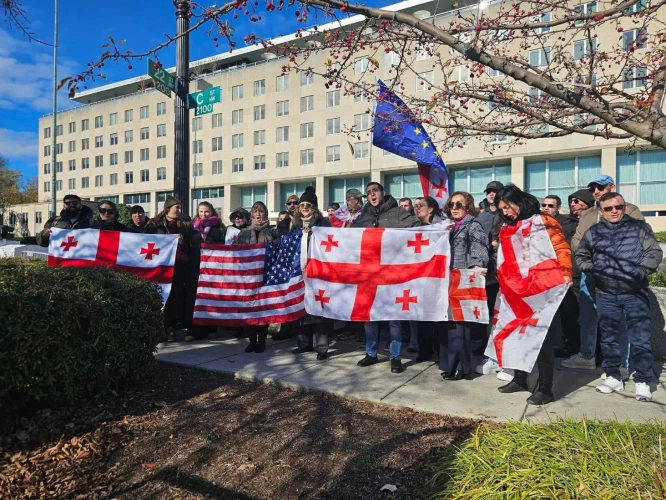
603, 246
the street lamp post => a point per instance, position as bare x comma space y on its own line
55, 110
181, 185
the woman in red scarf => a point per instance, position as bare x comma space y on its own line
207, 227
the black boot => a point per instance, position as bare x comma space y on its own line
518, 384
253, 344
261, 343
543, 393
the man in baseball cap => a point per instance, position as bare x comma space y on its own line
585, 359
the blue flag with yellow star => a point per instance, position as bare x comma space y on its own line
395, 129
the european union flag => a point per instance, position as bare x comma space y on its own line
395, 129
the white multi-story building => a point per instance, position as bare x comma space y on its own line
273, 134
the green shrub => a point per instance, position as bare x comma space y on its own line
658, 279
661, 236
67, 333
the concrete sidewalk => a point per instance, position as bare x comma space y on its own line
419, 387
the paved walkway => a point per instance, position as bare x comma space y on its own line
419, 387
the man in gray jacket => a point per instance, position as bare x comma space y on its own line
587, 319
383, 211
619, 252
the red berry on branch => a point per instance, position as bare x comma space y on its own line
129, 66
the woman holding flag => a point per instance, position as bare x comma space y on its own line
514, 207
469, 249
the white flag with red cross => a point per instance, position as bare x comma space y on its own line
231, 235
378, 274
467, 296
435, 183
150, 256
532, 287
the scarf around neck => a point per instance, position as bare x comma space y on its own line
203, 225
257, 227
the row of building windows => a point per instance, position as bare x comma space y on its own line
144, 176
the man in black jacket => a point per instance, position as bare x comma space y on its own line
619, 252
74, 215
383, 211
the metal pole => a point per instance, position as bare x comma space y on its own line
181, 184
55, 110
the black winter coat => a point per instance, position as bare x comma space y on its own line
113, 225
388, 215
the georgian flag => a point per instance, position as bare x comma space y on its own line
150, 256
532, 287
377, 274
231, 235
435, 183
467, 296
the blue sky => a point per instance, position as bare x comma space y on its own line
26, 67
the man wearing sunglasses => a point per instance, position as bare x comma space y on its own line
382, 210
619, 252
74, 215
587, 319
284, 226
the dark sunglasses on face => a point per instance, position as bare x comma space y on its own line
239, 217
109, 211
547, 205
574, 200
595, 187
71, 203
619, 208
291, 203
457, 205
418, 205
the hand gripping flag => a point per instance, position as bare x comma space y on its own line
396, 129
532, 287
150, 256
378, 274
250, 284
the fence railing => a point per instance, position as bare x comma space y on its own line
34, 255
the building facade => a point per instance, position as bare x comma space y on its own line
273, 134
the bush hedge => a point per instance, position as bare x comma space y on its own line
661, 236
70, 332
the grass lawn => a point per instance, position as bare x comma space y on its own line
564, 459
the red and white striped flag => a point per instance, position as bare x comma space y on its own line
532, 287
250, 284
149, 256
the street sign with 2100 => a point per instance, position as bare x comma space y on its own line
202, 102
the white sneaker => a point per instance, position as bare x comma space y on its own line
580, 362
624, 372
643, 392
611, 385
506, 375
487, 367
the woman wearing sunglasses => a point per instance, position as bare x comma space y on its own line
515, 205
469, 249
314, 331
107, 220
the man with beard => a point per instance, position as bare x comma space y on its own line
284, 226
138, 222
383, 211
74, 215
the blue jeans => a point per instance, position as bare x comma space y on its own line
634, 308
588, 322
372, 338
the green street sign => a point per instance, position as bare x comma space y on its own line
202, 102
164, 82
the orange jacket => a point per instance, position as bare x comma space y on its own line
562, 248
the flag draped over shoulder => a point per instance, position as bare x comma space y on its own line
250, 284
395, 129
150, 256
378, 274
532, 287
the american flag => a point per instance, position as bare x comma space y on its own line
250, 284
